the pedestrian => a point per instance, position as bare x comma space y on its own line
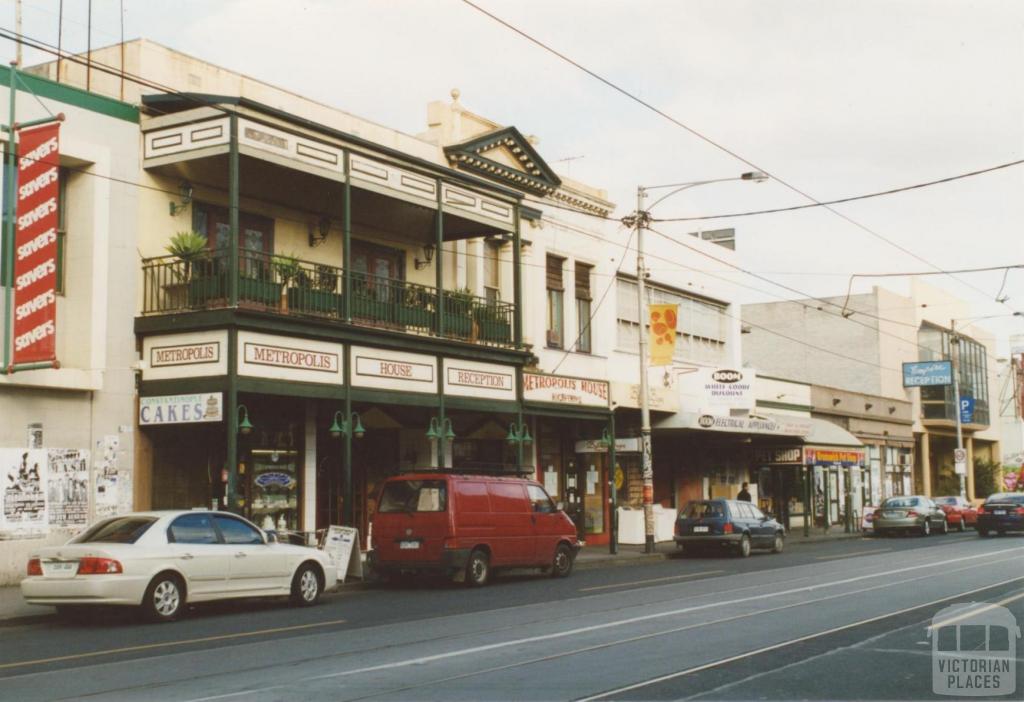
744, 494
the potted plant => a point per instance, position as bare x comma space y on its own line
194, 281
416, 307
316, 293
288, 268
458, 305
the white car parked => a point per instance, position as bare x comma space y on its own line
161, 561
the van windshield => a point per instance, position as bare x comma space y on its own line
414, 496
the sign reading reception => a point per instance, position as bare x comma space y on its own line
927, 373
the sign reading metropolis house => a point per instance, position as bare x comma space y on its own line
35, 246
927, 373
565, 390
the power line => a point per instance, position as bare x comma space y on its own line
840, 201
712, 142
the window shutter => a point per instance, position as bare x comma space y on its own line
555, 273
583, 281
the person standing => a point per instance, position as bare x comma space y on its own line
744, 493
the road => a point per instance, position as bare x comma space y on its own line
834, 620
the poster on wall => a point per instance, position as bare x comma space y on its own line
111, 482
67, 488
35, 249
24, 499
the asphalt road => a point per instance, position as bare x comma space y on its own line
834, 620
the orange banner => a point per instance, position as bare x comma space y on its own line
663, 333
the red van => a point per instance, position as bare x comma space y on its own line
464, 526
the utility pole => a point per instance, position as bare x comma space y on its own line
954, 341
645, 408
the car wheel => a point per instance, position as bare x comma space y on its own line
778, 544
926, 528
164, 598
744, 548
945, 526
306, 586
561, 564
963, 525
478, 569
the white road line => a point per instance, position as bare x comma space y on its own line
609, 625
783, 644
975, 612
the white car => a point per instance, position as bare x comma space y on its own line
161, 561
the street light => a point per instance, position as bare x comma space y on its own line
640, 219
339, 429
954, 340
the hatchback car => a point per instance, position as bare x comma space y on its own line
161, 561
960, 514
732, 524
911, 513
1002, 512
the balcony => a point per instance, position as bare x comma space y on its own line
289, 286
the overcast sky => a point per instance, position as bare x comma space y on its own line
835, 98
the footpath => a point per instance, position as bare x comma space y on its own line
13, 609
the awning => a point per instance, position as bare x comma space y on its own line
808, 430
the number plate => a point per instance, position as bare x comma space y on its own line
999, 511
700, 530
409, 545
60, 569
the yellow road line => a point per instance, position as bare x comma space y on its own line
186, 642
652, 580
855, 553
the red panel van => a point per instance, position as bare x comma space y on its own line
465, 526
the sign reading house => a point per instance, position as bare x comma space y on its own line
565, 390
393, 370
181, 409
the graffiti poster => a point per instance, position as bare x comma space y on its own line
24, 476
67, 489
112, 482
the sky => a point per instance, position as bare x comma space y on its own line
833, 97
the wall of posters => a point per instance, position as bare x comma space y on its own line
112, 482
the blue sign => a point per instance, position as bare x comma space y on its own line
966, 409
927, 373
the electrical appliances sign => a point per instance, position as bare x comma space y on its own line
35, 246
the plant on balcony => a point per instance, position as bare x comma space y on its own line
458, 305
316, 293
187, 247
288, 269
195, 276
416, 308
492, 323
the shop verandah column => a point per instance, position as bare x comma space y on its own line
926, 465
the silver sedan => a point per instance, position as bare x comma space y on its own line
914, 513
161, 561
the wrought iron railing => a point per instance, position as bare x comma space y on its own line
291, 286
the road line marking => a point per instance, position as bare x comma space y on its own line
146, 647
617, 623
783, 644
651, 580
976, 611
855, 553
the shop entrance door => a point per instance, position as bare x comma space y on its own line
374, 458
586, 494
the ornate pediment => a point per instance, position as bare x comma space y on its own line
507, 157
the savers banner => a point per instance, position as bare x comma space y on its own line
35, 246
663, 333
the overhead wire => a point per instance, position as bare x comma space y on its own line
721, 147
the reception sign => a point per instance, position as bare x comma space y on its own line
35, 246
927, 373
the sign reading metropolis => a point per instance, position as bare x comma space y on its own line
35, 246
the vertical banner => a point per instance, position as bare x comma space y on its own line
35, 246
663, 333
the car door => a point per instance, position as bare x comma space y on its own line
762, 526
548, 524
514, 542
198, 553
253, 564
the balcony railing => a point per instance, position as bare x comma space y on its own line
290, 286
